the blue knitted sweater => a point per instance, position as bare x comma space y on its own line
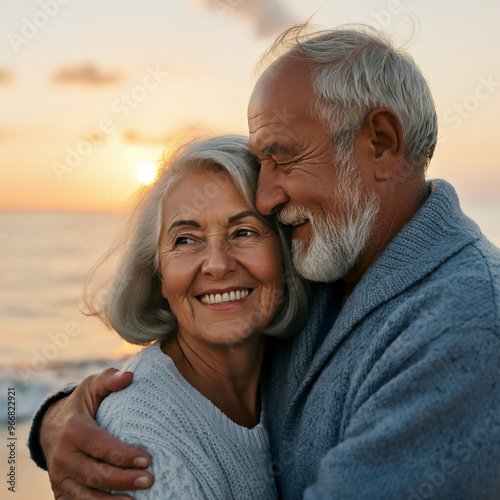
402, 399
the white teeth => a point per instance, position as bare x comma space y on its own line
225, 297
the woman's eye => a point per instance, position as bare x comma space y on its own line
183, 240
244, 232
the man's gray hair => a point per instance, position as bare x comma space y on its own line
357, 70
133, 303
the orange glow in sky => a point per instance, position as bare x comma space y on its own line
85, 119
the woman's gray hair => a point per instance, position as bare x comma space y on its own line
357, 70
133, 304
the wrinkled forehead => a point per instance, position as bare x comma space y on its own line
287, 83
281, 105
194, 191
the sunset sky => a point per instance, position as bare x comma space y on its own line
93, 91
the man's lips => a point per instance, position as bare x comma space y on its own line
301, 230
298, 222
224, 297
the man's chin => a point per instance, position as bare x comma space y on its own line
312, 271
318, 268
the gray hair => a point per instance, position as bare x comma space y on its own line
358, 70
133, 305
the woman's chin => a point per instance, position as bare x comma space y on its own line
229, 333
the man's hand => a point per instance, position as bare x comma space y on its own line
80, 455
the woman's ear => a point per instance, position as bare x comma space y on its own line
379, 144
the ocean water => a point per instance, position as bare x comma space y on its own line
45, 341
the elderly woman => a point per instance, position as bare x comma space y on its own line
205, 278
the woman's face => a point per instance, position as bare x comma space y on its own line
221, 267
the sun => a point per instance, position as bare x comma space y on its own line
146, 173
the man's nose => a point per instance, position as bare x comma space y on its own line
218, 260
270, 196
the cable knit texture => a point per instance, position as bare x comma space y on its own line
402, 399
197, 451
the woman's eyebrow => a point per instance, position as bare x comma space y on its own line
241, 215
183, 223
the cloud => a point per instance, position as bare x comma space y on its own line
269, 17
86, 74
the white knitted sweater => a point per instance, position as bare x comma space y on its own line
197, 451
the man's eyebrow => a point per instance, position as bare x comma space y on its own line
276, 149
241, 215
183, 222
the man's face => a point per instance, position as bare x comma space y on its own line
331, 214
293, 148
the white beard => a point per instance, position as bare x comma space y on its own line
336, 243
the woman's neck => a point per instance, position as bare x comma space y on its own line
226, 375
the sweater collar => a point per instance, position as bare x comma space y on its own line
438, 230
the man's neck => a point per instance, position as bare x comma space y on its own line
391, 221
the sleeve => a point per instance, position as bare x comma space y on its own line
431, 429
34, 445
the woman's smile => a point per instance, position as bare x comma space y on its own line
224, 297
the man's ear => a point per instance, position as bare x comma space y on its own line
380, 143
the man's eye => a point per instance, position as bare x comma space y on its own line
286, 164
183, 240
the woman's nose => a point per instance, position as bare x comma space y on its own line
270, 196
218, 261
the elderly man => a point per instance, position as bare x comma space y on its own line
392, 389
